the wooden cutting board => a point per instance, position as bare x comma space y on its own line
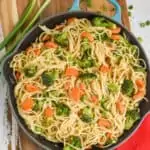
14, 10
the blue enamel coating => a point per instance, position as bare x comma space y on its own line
75, 5
117, 15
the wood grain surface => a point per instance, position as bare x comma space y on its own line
14, 10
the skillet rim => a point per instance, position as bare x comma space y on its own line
23, 126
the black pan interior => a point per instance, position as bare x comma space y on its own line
28, 39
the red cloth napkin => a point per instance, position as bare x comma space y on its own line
141, 138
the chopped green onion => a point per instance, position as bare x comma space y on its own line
130, 7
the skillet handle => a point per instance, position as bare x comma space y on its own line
75, 6
117, 16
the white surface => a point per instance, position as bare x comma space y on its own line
140, 13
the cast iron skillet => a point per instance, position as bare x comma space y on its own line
29, 38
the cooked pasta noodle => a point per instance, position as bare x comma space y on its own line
80, 83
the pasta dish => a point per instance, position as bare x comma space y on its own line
80, 83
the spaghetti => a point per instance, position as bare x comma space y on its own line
80, 83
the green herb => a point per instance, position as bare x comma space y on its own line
142, 24
131, 117
49, 77
75, 141
62, 109
62, 38
38, 105
130, 7
27, 12
87, 115
84, 98
139, 69
147, 22
104, 102
30, 71
129, 13
29, 26
67, 147
140, 39
127, 87
86, 63
38, 129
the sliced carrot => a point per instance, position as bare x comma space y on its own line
87, 35
94, 99
120, 107
37, 52
67, 85
104, 68
17, 75
115, 37
138, 95
48, 112
140, 83
109, 135
104, 123
71, 72
31, 88
116, 30
82, 86
75, 94
50, 45
27, 104
70, 20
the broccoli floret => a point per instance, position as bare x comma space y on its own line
86, 63
87, 76
62, 109
113, 87
131, 117
127, 87
62, 39
87, 114
75, 142
102, 22
48, 77
38, 105
30, 71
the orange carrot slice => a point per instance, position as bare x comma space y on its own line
120, 107
82, 86
109, 135
71, 72
17, 75
138, 95
75, 94
87, 35
27, 104
31, 88
104, 123
37, 52
70, 20
140, 83
50, 45
104, 68
115, 37
94, 99
48, 112
116, 30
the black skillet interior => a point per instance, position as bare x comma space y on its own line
28, 39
